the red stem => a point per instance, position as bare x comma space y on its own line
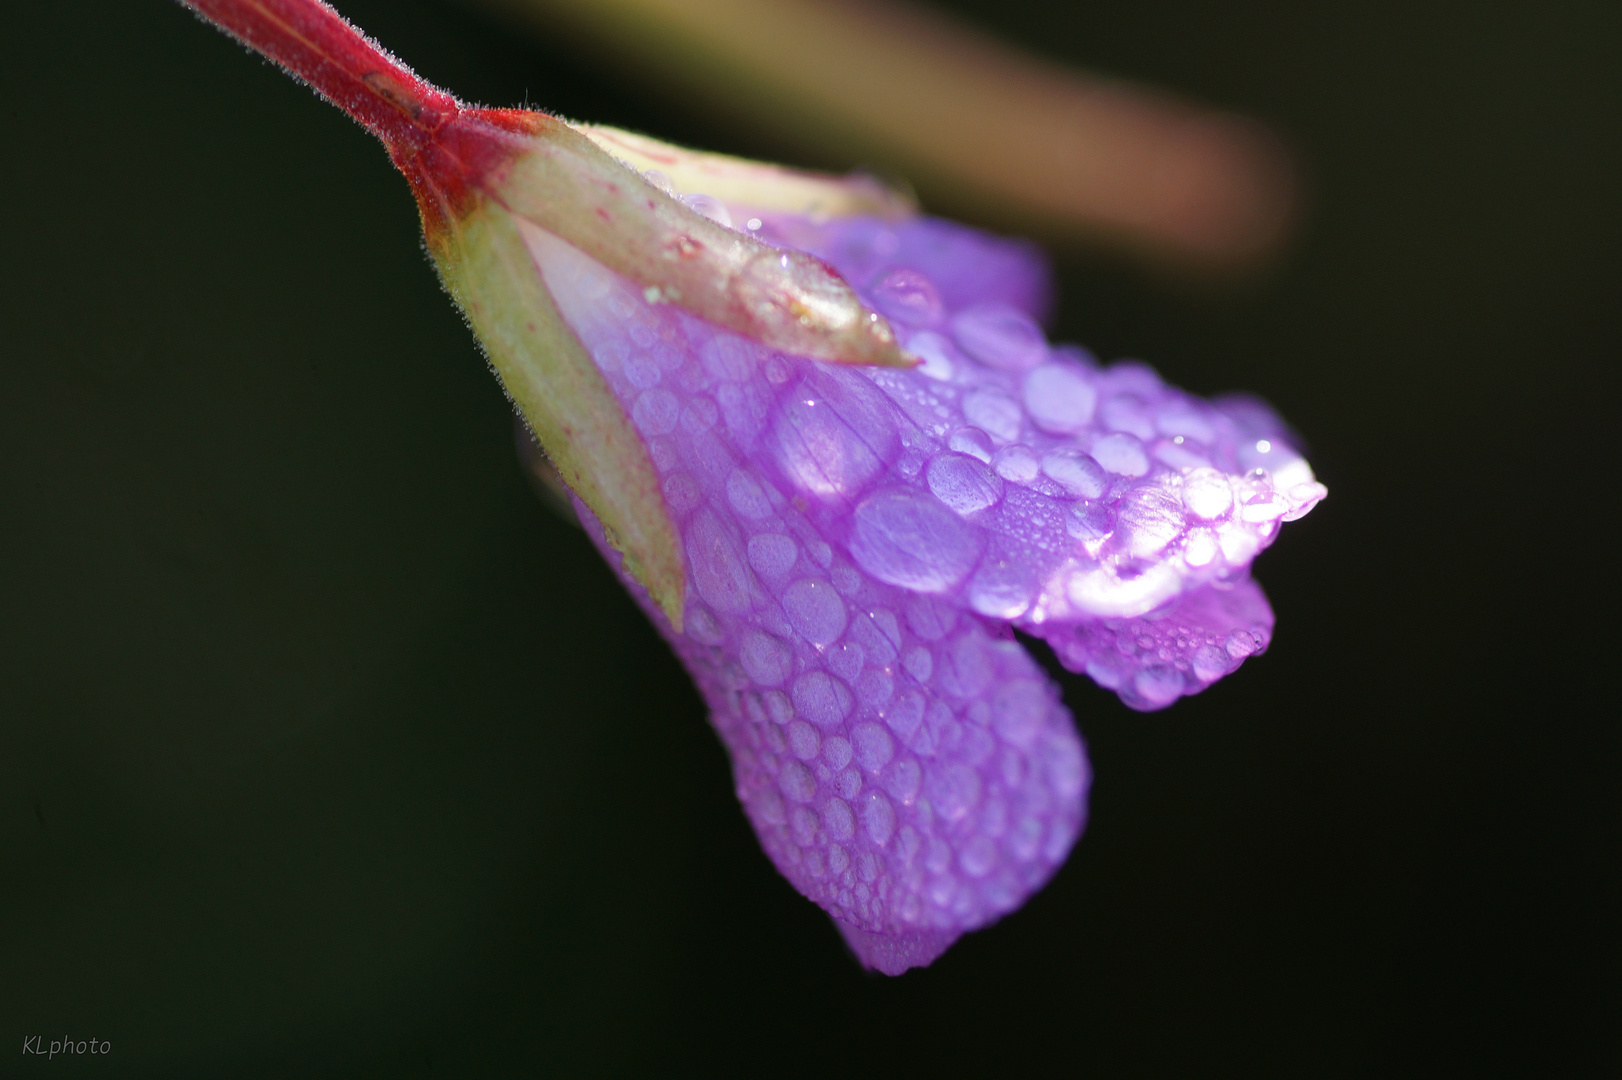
444, 148
320, 47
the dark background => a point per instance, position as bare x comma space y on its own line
325, 750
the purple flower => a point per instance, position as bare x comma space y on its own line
825, 443
859, 543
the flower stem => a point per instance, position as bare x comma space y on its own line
443, 147
320, 47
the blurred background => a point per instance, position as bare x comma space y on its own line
326, 750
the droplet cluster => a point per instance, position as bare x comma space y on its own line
861, 542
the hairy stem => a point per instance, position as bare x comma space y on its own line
321, 48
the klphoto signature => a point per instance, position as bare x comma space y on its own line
36, 1044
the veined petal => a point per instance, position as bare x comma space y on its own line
859, 541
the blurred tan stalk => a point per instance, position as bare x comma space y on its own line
982, 129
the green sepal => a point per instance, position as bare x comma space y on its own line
568, 185
568, 405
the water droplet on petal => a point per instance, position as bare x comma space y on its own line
838, 819
746, 496
905, 715
907, 538
963, 482
878, 633
1158, 685
772, 554
1000, 337
878, 818
872, 746
973, 442
919, 663
1026, 839
821, 698
1201, 548
719, 571
1241, 643
907, 297
994, 412
979, 856
796, 781
1059, 398
1303, 497
1149, 518
1183, 417
834, 434
953, 789
1089, 521
803, 740
1207, 494
764, 658
803, 822
1127, 413
874, 688
1078, 473
1018, 464
815, 609
845, 660
966, 669
1121, 454
656, 412
642, 371
1018, 711
778, 708
903, 780
681, 492
1211, 663
1066, 768
1002, 589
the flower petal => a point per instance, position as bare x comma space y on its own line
859, 542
